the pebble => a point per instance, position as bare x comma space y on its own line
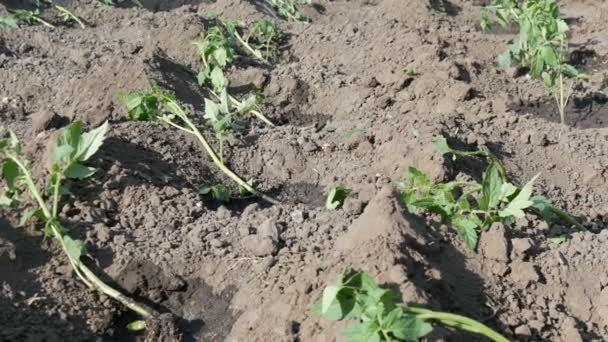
298, 216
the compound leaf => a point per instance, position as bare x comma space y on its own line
467, 231
520, 202
91, 142
79, 171
74, 248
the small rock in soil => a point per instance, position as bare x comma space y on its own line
353, 206
298, 216
521, 246
43, 121
523, 330
493, 243
538, 139
217, 243
269, 228
257, 245
524, 273
103, 232
460, 92
223, 213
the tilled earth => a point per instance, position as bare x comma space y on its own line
348, 115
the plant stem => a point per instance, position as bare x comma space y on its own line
83, 272
456, 321
237, 103
560, 103
42, 21
256, 53
70, 15
177, 110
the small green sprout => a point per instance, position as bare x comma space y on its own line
159, 105
290, 9
73, 149
336, 197
470, 207
409, 71
218, 192
378, 317
137, 325
542, 45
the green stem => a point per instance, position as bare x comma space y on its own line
177, 110
42, 21
561, 104
81, 270
456, 321
256, 53
70, 15
237, 103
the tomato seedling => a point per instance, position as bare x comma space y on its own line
336, 197
542, 45
470, 207
290, 9
378, 317
33, 17
72, 150
260, 40
159, 105
217, 52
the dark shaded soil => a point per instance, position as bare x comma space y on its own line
348, 115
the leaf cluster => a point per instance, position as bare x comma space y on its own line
542, 43
290, 9
260, 40
72, 149
471, 207
216, 50
377, 316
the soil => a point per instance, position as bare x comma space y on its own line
249, 271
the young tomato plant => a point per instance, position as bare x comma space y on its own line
32, 17
378, 317
159, 105
542, 45
290, 9
72, 150
217, 52
470, 207
221, 116
260, 40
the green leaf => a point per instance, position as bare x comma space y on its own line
410, 328
329, 295
441, 144
79, 171
336, 197
74, 248
467, 230
520, 202
8, 21
63, 153
10, 173
549, 57
504, 60
137, 325
362, 332
491, 186
29, 214
91, 142
218, 80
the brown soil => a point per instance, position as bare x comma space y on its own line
250, 272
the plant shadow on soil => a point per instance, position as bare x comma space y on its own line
584, 113
202, 314
160, 5
24, 322
444, 277
445, 6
